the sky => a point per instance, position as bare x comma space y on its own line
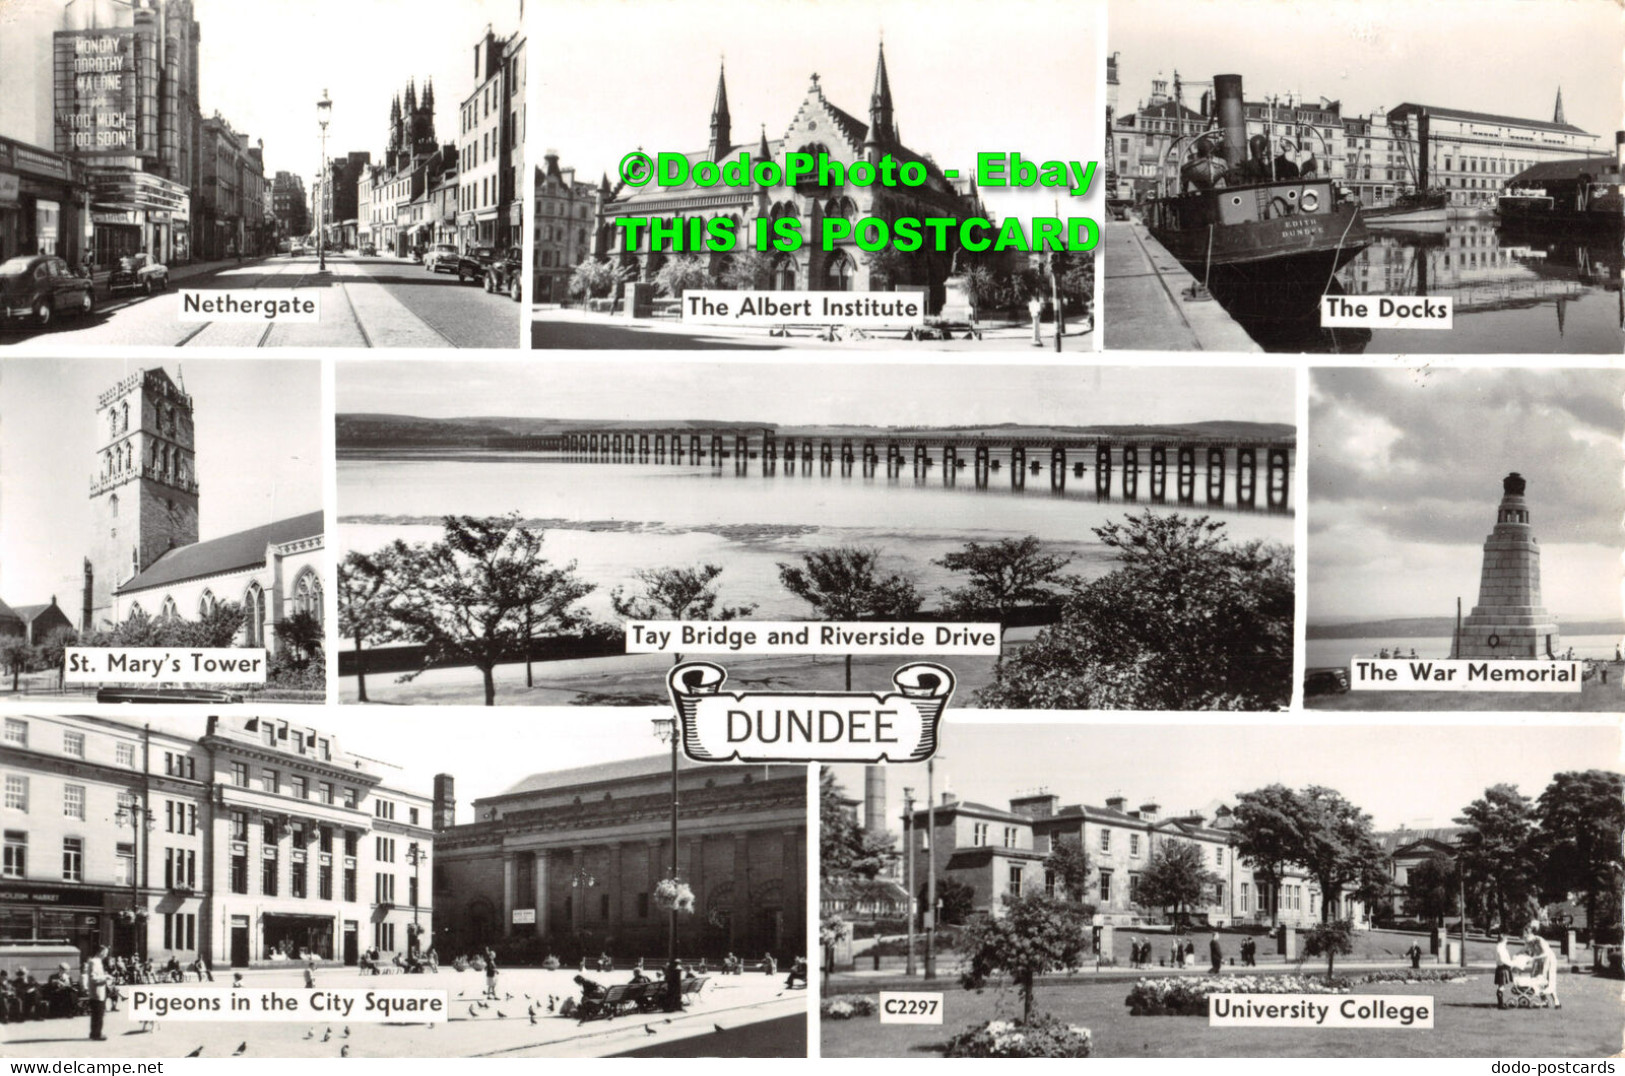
259, 456
1017, 76
792, 394
1423, 783
417, 744
1405, 470
1501, 56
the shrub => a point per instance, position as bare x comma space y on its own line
1415, 975
1042, 1036
1188, 995
846, 1006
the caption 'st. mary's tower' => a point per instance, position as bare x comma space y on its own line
1509, 620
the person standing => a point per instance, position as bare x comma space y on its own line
674, 986
1415, 953
490, 973
1215, 954
96, 987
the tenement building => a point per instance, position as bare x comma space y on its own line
257, 842
146, 553
567, 862
818, 126
565, 218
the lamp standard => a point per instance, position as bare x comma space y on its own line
931, 870
324, 113
665, 730
415, 855
908, 851
137, 817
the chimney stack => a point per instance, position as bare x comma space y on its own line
445, 802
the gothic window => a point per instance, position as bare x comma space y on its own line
112, 505
254, 616
307, 594
136, 612
784, 273
841, 207
206, 604
124, 417
168, 611
838, 277
112, 423
129, 457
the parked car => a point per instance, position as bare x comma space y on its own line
504, 274
138, 272
441, 258
1332, 681
368, 250
472, 265
166, 695
38, 287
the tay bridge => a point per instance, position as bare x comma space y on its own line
1199, 463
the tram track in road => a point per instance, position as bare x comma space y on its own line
259, 280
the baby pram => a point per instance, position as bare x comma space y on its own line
1526, 980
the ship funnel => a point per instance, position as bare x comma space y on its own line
1232, 117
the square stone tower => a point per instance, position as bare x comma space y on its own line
1509, 620
143, 490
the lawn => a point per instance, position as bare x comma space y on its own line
1466, 1024
1594, 697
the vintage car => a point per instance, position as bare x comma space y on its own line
138, 272
471, 267
368, 250
441, 258
504, 274
38, 287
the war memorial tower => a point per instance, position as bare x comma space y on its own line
1509, 620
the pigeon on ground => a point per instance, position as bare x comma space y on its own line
550, 1003
328, 1034
242, 1048
718, 1027
311, 1034
473, 1014
196, 1053
533, 1018
346, 1030
344, 1051
668, 1019
501, 1015
507, 997
647, 1030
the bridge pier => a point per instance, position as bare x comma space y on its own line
716, 448
770, 447
1159, 473
826, 451
694, 450
1246, 476
870, 453
1279, 480
1103, 470
1018, 467
1131, 473
643, 444
1215, 476
846, 451
921, 460
1187, 474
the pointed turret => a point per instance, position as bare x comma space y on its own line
428, 96
721, 122
764, 152
1557, 113
411, 96
880, 106
604, 188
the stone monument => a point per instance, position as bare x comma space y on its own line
1509, 620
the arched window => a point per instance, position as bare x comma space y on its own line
124, 417
136, 612
784, 273
206, 605
112, 423
112, 505
254, 616
307, 594
839, 273
168, 611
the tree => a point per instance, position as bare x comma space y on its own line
53, 653
367, 588
1582, 815
596, 279
1187, 621
844, 583
1068, 863
1036, 934
980, 286
1175, 877
1431, 889
846, 849
956, 901
888, 267
304, 634
1330, 939
1003, 576
1499, 854
676, 594
1338, 849
477, 596
680, 272
1267, 836
16, 657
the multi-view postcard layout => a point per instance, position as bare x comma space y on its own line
1171, 605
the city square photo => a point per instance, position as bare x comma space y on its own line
213, 173
1121, 538
162, 505
1467, 514
604, 896
1104, 890
1419, 178
757, 191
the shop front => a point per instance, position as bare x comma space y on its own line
134, 212
43, 204
296, 937
83, 916
516, 223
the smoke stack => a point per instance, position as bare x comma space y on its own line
1232, 117
1423, 151
874, 799
1619, 152
445, 801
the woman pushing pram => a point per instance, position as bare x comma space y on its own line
1526, 973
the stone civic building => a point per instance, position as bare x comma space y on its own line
818, 126
566, 862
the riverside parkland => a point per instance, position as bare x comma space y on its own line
983, 453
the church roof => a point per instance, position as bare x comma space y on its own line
229, 553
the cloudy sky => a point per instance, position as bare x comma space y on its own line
1020, 75
799, 394
1503, 56
1185, 767
1405, 470
259, 457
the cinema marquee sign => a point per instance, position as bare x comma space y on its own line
97, 92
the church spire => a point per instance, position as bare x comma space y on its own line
721, 122
411, 96
880, 106
428, 96
1557, 114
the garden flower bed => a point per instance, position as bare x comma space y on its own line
1188, 995
1416, 975
1045, 1036
846, 1006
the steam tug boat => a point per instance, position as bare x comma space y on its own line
1584, 195
1229, 226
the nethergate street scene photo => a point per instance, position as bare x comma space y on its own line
162, 505
241, 173
1128, 531
1155, 891
614, 899
1471, 516
1452, 167
770, 173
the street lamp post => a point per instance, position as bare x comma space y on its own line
416, 855
908, 850
931, 870
324, 113
136, 817
665, 729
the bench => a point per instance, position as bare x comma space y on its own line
830, 333
623, 998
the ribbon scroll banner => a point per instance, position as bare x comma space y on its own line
813, 726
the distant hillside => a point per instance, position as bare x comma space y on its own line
1437, 626
378, 431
